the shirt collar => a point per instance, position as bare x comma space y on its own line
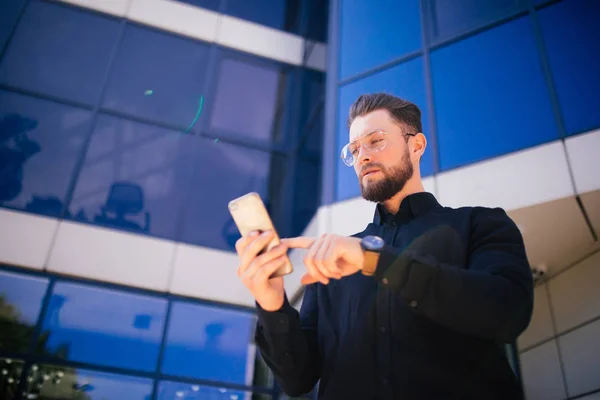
412, 206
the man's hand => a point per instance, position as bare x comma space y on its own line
330, 256
255, 270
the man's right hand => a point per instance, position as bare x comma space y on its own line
254, 270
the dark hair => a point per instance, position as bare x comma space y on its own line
401, 110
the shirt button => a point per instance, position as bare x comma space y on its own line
385, 381
394, 223
382, 329
385, 281
413, 303
281, 322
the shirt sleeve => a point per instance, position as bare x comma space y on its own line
490, 297
288, 343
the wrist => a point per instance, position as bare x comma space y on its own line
371, 246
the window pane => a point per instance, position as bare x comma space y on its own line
490, 96
188, 391
209, 343
569, 29
10, 374
278, 14
56, 382
40, 143
104, 326
406, 81
61, 51
11, 9
307, 194
449, 18
21, 298
135, 177
158, 76
235, 171
375, 32
247, 98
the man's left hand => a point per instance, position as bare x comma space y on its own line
330, 256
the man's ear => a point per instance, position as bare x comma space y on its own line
419, 145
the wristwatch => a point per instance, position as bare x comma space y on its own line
372, 247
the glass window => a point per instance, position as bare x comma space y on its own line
406, 81
249, 98
569, 29
61, 51
490, 96
209, 343
224, 172
40, 143
449, 18
278, 14
21, 299
307, 194
318, 20
57, 382
135, 177
103, 326
375, 32
213, 5
158, 76
11, 10
189, 391
10, 375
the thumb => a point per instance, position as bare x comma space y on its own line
308, 279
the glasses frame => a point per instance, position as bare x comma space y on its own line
359, 139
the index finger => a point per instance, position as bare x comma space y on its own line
300, 242
242, 243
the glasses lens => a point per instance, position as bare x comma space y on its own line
373, 142
347, 156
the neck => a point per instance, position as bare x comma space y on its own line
413, 185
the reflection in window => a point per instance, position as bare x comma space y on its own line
248, 100
278, 14
209, 343
10, 374
40, 143
20, 302
187, 391
104, 326
55, 382
133, 177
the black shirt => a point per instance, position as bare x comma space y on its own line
451, 287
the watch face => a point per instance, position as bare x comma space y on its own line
373, 243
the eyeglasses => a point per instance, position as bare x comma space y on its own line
372, 142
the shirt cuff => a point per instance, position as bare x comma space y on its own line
276, 321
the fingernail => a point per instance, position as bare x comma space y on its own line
253, 233
266, 233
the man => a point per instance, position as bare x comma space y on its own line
417, 306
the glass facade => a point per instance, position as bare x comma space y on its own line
496, 76
70, 339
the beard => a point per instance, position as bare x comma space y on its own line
393, 181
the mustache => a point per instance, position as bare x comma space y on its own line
370, 166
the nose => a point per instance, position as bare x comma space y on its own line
363, 155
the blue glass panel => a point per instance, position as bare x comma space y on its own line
11, 9
135, 177
278, 14
158, 76
213, 5
224, 172
188, 391
101, 326
405, 81
307, 194
449, 18
570, 30
248, 93
20, 302
375, 32
318, 20
57, 382
60, 51
209, 343
490, 96
40, 143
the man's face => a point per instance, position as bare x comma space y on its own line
381, 174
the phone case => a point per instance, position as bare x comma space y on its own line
250, 214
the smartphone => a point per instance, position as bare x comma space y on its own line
250, 214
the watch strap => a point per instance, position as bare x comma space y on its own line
370, 262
